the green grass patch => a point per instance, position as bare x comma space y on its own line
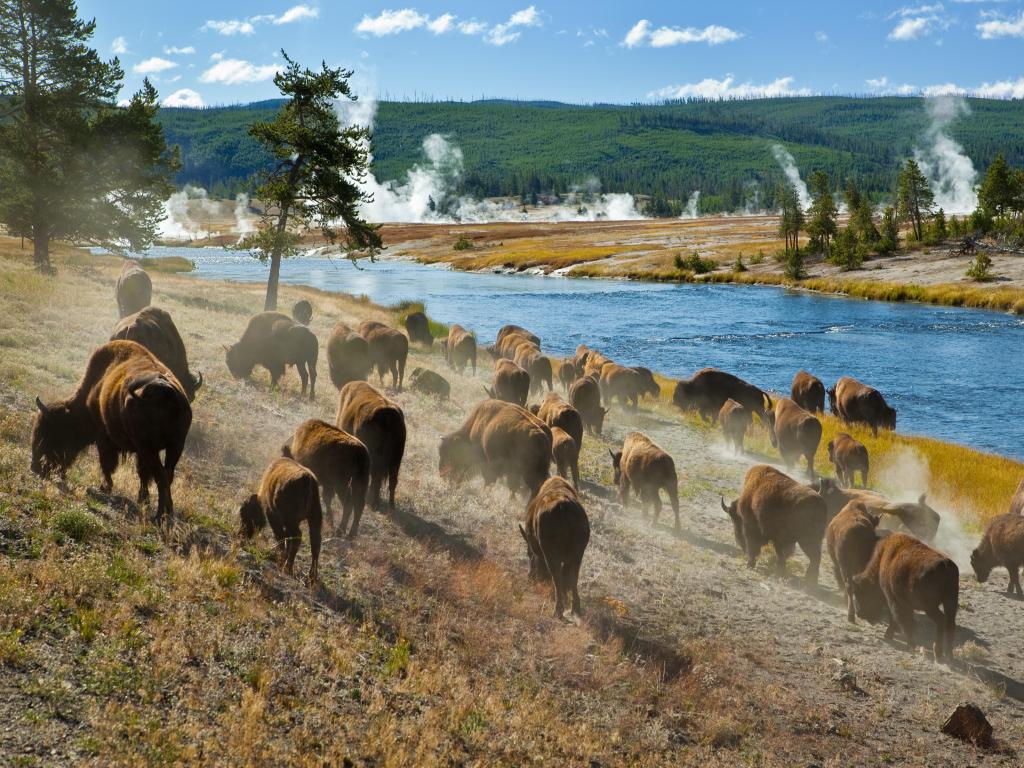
77, 525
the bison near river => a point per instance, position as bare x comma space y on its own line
275, 341
154, 329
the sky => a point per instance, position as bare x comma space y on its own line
214, 53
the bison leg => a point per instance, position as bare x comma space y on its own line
673, 499
810, 465
624, 491
904, 617
936, 616
1014, 587
357, 501
145, 478
392, 484
109, 458
303, 376
655, 497
812, 548
572, 583
314, 548
575, 469
312, 382
376, 478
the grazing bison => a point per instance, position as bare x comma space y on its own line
565, 452
775, 508
648, 386
1002, 544
379, 424
498, 439
795, 432
340, 463
302, 311
557, 533
288, 494
511, 383
916, 518
461, 349
708, 389
620, 383
127, 402
389, 349
585, 397
857, 403
275, 341
555, 412
348, 356
430, 383
566, 374
134, 289
418, 328
849, 456
508, 330
531, 359
154, 329
647, 469
1017, 502
735, 420
905, 575
851, 538
808, 392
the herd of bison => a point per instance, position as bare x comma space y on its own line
135, 398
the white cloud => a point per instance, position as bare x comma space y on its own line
508, 32
911, 29
918, 21
235, 71
637, 34
119, 46
297, 13
1002, 89
153, 65
472, 27
171, 50
821, 37
441, 24
229, 28
994, 28
664, 37
391, 22
184, 97
728, 88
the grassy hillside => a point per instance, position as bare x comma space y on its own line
720, 148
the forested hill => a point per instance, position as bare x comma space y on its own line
721, 148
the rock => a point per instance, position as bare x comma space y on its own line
968, 723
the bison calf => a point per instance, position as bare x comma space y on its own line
134, 289
735, 421
647, 469
1002, 544
430, 383
348, 356
566, 454
851, 538
808, 392
379, 424
795, 432
389, 350
849, 456
288, 494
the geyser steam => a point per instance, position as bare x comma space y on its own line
943, 160
788, 165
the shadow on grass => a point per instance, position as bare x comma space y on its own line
431, 533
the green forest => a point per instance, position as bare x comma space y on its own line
665, 151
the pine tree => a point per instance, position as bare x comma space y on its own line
821, 223
996, 192
890, 242
914, 197
791, 220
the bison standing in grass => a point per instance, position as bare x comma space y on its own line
735, 421
529, 357
647, 469
275, 341
134, 289
857, 403
555, 412
508, 330
808, 392
379, 424
1001, 545
585, 397
851, 538
627, 385
566, 374
461, 349
288, 494
418, 328
565, 452
795, 432
348, 356
511, 383
849, 456
154, 329
708, 389
340, 463
557, 532
905, 575
389, 350
127, 402
777, 509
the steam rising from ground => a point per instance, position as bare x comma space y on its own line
788, 164
943, 160
179, 208
690, 212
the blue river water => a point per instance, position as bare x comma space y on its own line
954, 374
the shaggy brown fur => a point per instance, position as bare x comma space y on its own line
585, 397
275, 341
580, 359
461, 349
857, 403
916, 518
566, 374
851, 541
379, 424
154, 329
430, 383
507, 330
418, 328
555, 412
288, 494
849, 456
348, 356
623, 384
905, 575
1001, 545
708, 389
134, 289
808, 392
340, 463
511, 383
389, 350
537, 364
557, 533
1017, 502
508, 345
566, 453
795, 432
302, 311
735, 420
647, 469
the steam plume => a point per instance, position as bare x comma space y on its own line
788, 165
943, 160
691, 205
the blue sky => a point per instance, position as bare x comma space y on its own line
209, 53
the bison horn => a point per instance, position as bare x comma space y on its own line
921, 499
522, 532
40, 405
199, 380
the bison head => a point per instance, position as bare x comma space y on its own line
737, 523
832, 401
302, 311
888, 418
599, 415
252, 516
616, 464
982, 562
648, 386
237, 362
57, 438
682, 397
868, 599
455, 458
538, 565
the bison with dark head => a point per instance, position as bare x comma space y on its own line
154, 329
708, 389
134, 289
302, 311
348, 356
1001, 545
418, 327
389, 350
275, 341
857, 403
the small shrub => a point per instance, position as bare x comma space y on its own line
739, 266
757, 258
87, 623
980, 269
76, 525
12, 651
795, 266
462, 244
693, 263
398, 658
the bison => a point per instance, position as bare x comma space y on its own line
905, 574
461, 349
531, 359
498, 439
379, 424
134, 289
795, 432
430, 383
585, 397
647, 469
127, 402
288, 494
511, 383
555, 412
389, 350
275, 341
340, 463
849, 456
557, 533
775, 508
916, 518
566, 374
627, 385
857, 403
507, 330
565, 452
708, 389
418, 328
1002, 544
735, 420
851, 538
808, 392
302, 311
154, 329
348, 356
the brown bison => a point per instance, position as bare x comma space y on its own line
585, 397
461, 349
557, 533
566, 374
857, 403
555, 412
154, 329
302, 311
127, 402
916, 518
506, 347
596, 361
418, 328
580, 359
275, 341
627, 385
379, 424
647, 469
348, 356
735, 420
511, 383
498, 439
849, 456
708, 389
795, 432
905, 575
533, 361
808, 392
134, 289
430, 383
389, 350
507, 330
340, 463
777, 509
1017, 502
1003, 545
565, 452
288, 494
851, 538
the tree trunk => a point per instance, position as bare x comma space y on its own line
275, 272
41, 248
